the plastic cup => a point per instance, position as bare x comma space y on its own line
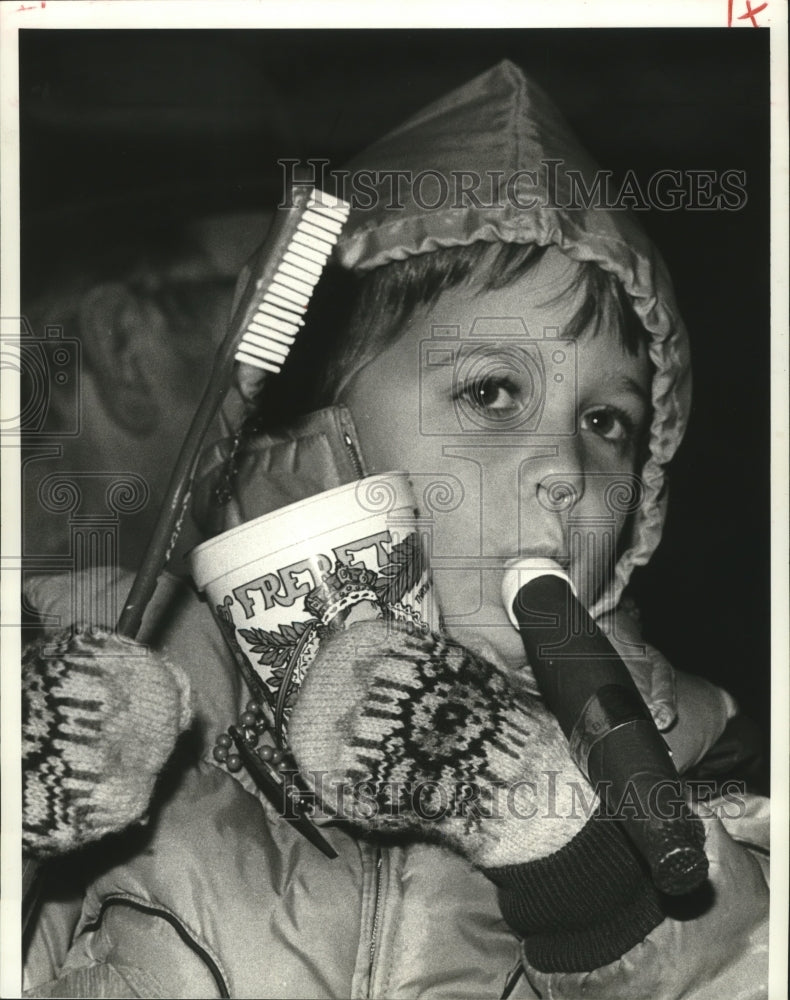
282, 584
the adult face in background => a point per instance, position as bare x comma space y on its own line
147, 295
147, 346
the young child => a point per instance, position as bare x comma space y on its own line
529, 353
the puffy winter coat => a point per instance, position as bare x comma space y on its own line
217, 896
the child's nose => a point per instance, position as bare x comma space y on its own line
558, 478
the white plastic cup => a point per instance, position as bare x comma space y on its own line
279, 585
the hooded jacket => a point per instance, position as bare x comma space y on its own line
534, 177
217, 896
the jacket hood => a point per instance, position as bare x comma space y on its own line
501, 128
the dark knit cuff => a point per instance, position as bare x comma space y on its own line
583, 906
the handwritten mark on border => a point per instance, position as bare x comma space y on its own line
750, 14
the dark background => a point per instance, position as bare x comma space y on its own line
150, 125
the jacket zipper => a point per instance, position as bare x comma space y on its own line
355, 459
376, 915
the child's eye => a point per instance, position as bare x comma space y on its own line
610, 423
494, 395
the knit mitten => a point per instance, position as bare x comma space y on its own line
408, 733
416, 732
100, 716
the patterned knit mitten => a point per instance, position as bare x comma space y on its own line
419, 734
410, 732
100, 717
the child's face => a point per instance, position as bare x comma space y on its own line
530, 436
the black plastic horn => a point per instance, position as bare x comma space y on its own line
611, 734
